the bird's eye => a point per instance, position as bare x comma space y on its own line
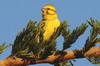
48, 8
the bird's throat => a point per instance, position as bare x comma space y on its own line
49, 16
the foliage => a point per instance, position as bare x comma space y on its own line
64, 63
21, 42
26, 42
94, 59
92, 40
71, 37
3, 47
29, 42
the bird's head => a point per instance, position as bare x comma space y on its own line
49, 12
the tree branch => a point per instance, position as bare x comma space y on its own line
66, 55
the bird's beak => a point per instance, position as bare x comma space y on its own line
43, 9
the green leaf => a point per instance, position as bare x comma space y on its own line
94, 59
3, 47
92, 40
23, 38
71, 37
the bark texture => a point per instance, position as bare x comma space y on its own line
10, 61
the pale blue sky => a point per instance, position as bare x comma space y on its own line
15, 14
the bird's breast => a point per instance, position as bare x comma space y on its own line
51, 24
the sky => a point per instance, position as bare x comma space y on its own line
15, 15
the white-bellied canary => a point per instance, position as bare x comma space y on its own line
50, 21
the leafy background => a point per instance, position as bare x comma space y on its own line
15, 15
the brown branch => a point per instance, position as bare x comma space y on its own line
52, 58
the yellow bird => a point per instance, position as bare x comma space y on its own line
50, 21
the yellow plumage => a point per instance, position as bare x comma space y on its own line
50, 21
